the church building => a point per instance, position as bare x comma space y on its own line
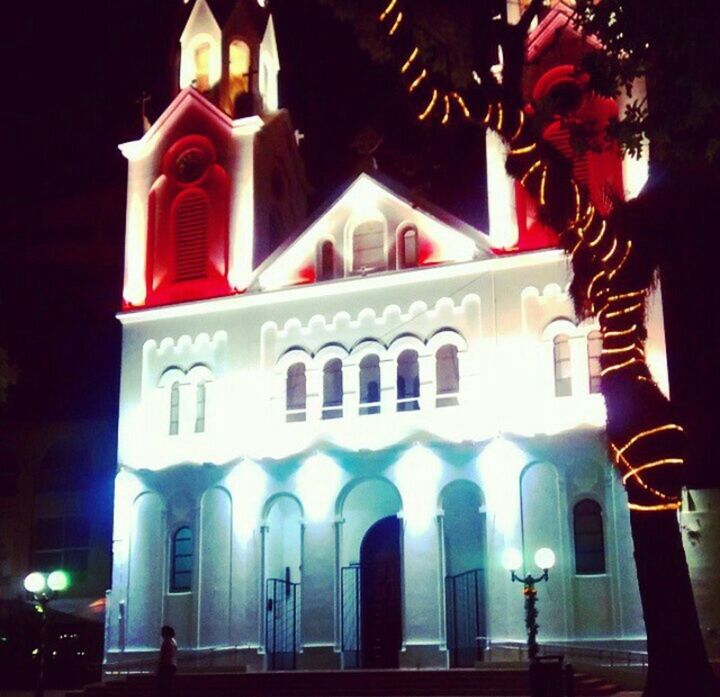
331, 431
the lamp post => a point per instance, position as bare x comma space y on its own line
42, 590
512, 560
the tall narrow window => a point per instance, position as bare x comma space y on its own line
408, 381
239, 67
182, 561
332, 389
368, 240
296, 393
447, 376
175, 409
408, 247
370, 385
200, 398
563, 374
326, 261
589, 538
594, 349
202, 67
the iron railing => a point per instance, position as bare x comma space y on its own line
282, 624
465, 612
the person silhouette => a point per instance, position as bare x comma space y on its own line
167, 664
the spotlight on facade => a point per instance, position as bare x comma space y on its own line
511, 559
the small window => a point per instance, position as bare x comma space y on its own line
370, 385
182, 561
239, 67
408, 247
296, 393
332, 389
561, 357
175, 409
202, 67
594, 349
326, 261
200, 400
447, 376
408, 381
589, 539
368, 241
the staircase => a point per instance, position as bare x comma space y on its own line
496, 682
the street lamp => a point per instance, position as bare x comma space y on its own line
512, 560
42, 589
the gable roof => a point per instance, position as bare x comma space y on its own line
460, 241
559, 19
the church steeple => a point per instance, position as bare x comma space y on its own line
228, 53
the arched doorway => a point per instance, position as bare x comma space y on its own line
463, 527
380, 596
283, 531
369, 544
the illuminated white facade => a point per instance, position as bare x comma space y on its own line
385, 364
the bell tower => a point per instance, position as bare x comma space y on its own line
216, 183
236, 64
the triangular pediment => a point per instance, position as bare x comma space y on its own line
366, 207
189, 105
201, 21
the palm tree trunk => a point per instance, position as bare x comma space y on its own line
678, 662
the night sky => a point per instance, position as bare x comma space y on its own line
78, 70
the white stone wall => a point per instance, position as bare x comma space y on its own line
532, 455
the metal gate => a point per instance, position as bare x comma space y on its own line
465, 605
350, 615
282, 624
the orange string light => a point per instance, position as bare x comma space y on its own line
413, 55
418, 80
619, 366
461, 102
446, 115
537, 164
615, 271
625, 311
614, 246
620, 332
430, 106
649, 432
521, 123
387, 10
543, 184
603, 227
525, 150
395, 26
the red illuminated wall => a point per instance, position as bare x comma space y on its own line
599, 169
187, 255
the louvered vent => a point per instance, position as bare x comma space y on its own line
560, 140
191, 237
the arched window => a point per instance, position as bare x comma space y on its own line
326, 261
296, 393
191, 235
370, 385
447, 376
368, 240
182, 561
332, 389
175, 409
239, 67
408, 381
202, 67
563, 373
408, 247
200, 398
594, 349
589, 539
